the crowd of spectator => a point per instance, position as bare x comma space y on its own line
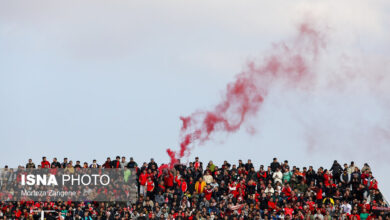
230, 191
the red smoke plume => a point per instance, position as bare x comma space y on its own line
289, 63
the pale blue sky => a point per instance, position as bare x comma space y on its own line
93, 79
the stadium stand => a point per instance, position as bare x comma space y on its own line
195, 191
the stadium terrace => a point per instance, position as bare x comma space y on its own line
209, 191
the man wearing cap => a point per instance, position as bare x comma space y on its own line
132, 163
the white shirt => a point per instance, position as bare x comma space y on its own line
277, 176
346, 208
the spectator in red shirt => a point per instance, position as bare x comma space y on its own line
142, 182
287, 190
108, 163
150, 187
183, 185
288, 211
197, 163
168, 179
208, 191
45, 163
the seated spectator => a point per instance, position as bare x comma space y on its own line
277, 176
200, 185
211, 166
287, 175
69, 169
269, 190
208, 178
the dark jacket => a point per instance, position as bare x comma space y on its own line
336, 168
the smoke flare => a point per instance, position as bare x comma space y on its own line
289, 63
